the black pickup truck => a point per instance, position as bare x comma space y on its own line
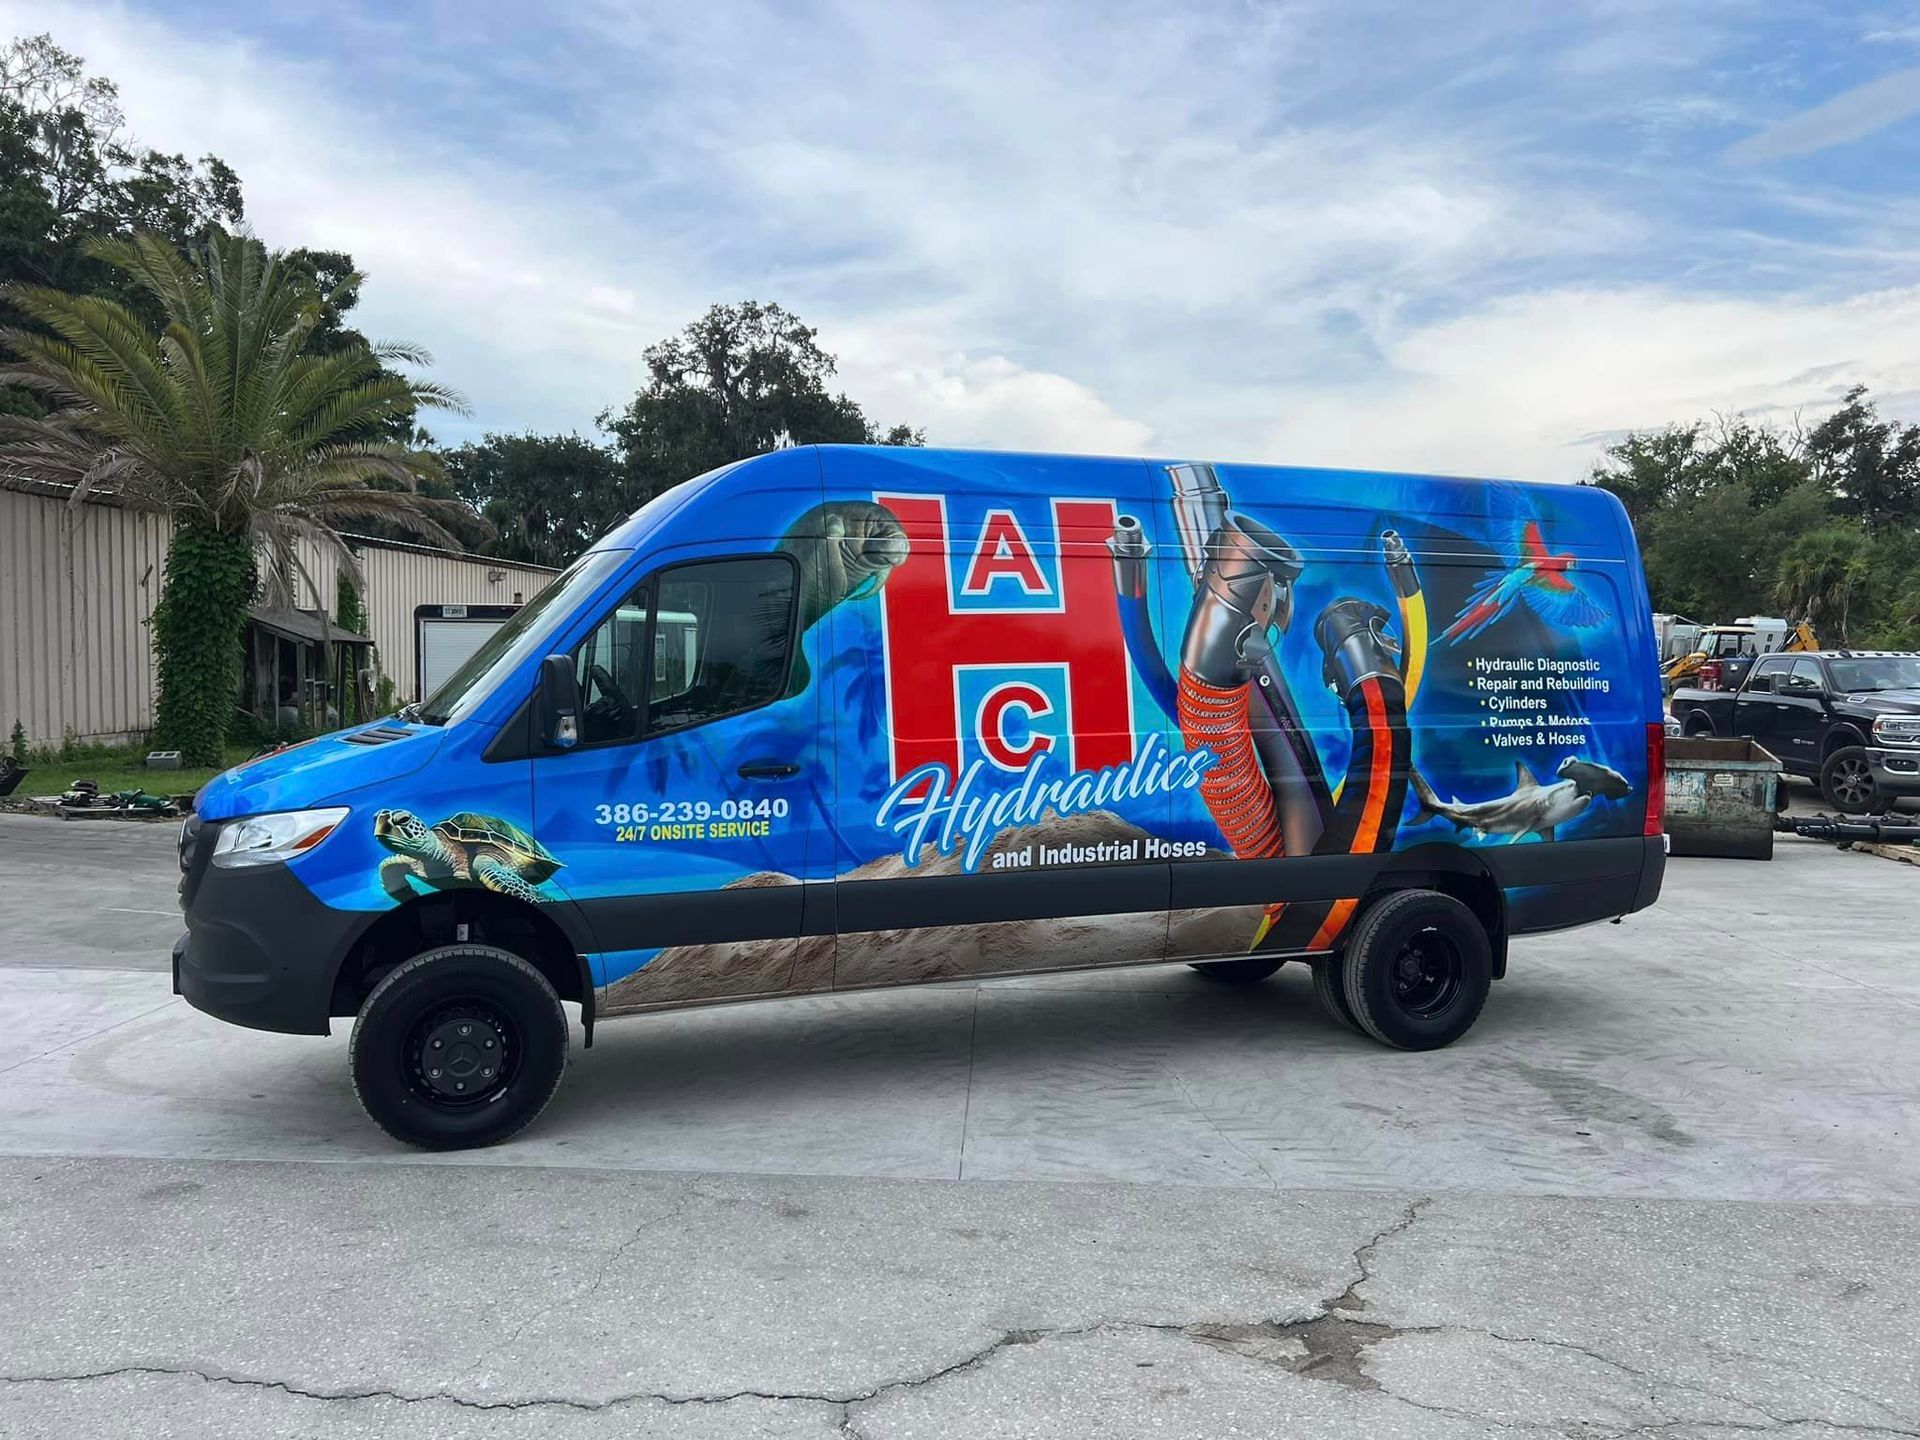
1847, 718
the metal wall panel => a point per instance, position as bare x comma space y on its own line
402, 577
78, 585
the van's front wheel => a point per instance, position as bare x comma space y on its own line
459, 1047
1417, 970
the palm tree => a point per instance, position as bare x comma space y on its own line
230, 425
1816, 574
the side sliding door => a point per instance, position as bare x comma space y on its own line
1003, 770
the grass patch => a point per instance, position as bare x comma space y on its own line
120, 768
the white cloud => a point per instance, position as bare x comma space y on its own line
981, 401
1847, 116
510, 283
536, 300
1121, 227
1533, 387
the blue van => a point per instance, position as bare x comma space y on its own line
840, 718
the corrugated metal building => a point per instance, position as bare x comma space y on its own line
79, 583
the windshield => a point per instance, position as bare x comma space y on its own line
519, 637
1876, 672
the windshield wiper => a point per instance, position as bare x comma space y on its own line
410, 712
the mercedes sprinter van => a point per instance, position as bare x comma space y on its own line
840, 718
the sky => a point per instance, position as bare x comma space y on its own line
1484, 238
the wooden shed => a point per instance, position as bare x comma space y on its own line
304, 672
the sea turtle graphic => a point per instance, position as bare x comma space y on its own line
464, 849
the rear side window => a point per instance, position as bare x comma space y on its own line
1768, 674
690, 645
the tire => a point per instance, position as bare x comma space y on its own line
1847, 782
1698, 726
419, 1008
1437, 1001
1239, 972
1330, 989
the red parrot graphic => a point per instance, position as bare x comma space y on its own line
1542, 579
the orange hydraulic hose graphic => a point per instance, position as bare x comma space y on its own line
1235, 790
1366, 835
1244, 594
1360, 665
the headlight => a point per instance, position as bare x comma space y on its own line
271, 839
1897, 729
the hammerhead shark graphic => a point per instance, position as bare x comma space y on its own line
1532, 808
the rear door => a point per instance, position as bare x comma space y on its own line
1800, 713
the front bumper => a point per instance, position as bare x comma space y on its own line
260, 949
1895, 772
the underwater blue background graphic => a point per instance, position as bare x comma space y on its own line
839, 728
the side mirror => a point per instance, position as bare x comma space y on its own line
559, 703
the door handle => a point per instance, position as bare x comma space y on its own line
767, 770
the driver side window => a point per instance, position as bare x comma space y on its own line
692, 644
610, 669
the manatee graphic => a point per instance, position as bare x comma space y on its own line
846, 549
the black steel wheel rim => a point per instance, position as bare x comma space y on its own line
1427, 973
1853, 781
462, 1054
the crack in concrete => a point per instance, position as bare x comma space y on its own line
92, 1035
585, 1292
843, 1401
1774, 1427
1330, 1346
1350, 1298
1362, 1261
430, 1397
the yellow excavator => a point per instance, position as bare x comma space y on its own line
1736, 644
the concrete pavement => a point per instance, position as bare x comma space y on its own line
1664, 1187
154, 1298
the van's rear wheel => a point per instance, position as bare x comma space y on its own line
1330, 989
459, 1047
1417, 969
1239, 972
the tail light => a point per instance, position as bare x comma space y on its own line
1656, 780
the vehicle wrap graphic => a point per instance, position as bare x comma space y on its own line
464, 849
1008, 664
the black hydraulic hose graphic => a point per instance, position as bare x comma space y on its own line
1287, 755
1361, 667
1130, 550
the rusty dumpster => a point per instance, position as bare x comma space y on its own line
1721, 797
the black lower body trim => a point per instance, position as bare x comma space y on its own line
911, 902
261, 950
756, 909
